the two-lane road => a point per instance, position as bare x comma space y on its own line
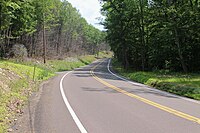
92, 99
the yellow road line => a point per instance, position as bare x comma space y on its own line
164, 108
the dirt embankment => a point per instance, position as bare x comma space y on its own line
10, 102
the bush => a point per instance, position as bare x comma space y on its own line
187, 85
19, 52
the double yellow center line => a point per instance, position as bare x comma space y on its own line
164, 108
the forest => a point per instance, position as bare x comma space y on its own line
154, 34
47, 29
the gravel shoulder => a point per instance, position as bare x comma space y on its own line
25, 122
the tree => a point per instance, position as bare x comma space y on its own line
47, 28
155, 34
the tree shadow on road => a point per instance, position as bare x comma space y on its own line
129, 90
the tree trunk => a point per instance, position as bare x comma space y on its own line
7, 40
3, 45
31, 47
191, 4
177, 41
126, 61
125, 58
196, 2
0, 18
44, 41
142, 35
59, 41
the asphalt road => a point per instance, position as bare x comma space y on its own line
92, 99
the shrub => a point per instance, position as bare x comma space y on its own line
19, 52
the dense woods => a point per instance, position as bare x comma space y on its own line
154, 34
45, 28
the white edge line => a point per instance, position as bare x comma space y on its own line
142, 85
73, 114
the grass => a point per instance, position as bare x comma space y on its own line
16, 82
70, 63
105, 54
187, 85
26, 70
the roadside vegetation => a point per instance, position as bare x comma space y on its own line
156, 42
154, 35
187, 85
36, 37
48, 29
16, 85
18, 80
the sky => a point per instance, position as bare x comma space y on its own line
90, 10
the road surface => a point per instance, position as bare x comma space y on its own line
92, 99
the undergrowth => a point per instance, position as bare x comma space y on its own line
18, 80
187, 85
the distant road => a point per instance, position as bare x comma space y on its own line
92, 99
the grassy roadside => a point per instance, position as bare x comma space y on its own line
187, 85
16, 83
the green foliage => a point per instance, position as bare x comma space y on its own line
19, 85
154, 35
87, 59
65, 30
18, 15
25, 71
61, 65
70, 63
19, 81
187, 85
105, 54
22, 85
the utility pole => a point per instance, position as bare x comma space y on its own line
44, 37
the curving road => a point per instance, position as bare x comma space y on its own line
92, 99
